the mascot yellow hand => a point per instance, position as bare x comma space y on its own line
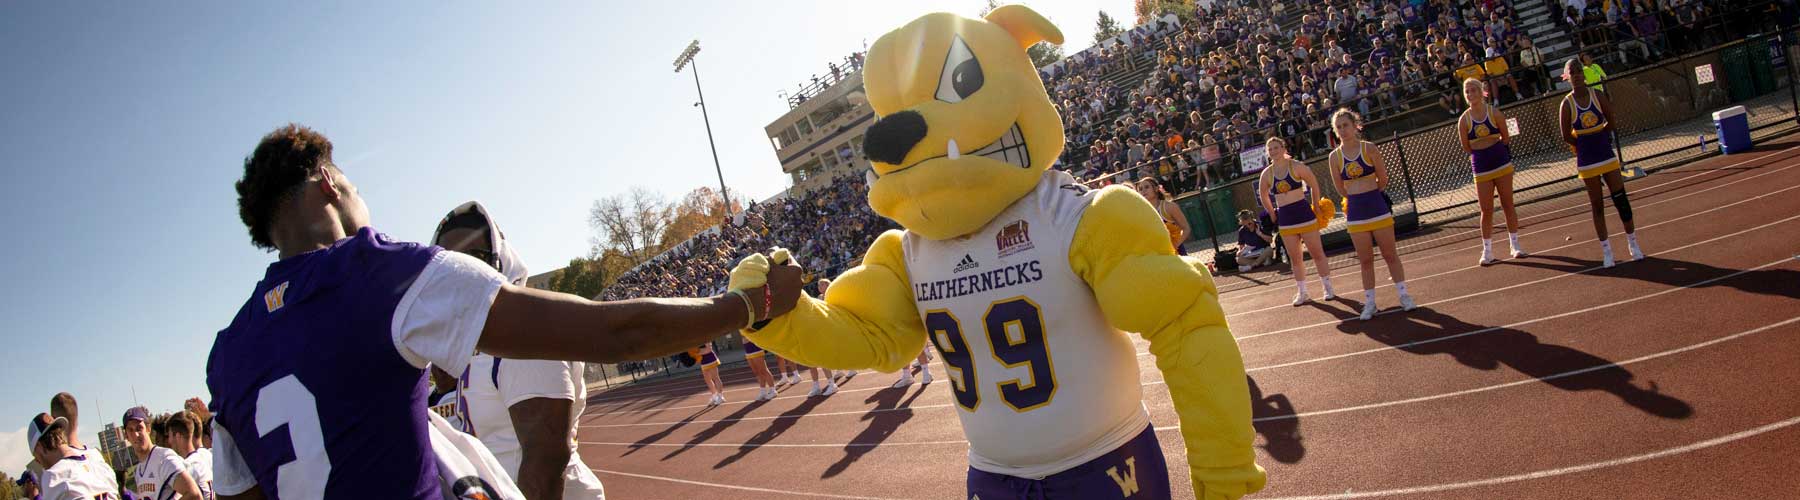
750, 273
868, 321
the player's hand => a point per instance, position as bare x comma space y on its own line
784, 280
198, 407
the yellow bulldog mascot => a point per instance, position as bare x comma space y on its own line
1024, 281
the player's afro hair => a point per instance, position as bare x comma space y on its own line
282, 162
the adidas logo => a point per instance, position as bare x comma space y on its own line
966, 264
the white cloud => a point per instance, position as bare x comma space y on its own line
13, 453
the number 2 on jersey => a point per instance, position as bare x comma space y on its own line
1015, 335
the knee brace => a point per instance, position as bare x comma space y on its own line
1622, 203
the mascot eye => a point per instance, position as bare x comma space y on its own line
962, 73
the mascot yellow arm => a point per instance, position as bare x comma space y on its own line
1121, 249
866, 320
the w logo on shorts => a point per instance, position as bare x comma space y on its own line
1128, 484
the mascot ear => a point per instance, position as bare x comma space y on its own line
1025, 25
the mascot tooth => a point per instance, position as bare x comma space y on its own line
1023, 280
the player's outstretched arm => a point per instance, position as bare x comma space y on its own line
866, 320
524, 323
1121, 250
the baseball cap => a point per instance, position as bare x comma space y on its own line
42, 424
138, 413
24, 478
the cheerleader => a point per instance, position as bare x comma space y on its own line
1490, 154
709, 370
1359, 172
1172, 218
759, 367
1585, 128
1283, 189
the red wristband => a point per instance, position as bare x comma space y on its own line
768, 302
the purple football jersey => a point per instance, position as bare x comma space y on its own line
310, 385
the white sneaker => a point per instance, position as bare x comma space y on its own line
925, 376
1329, 294
830, 389
1487, 256
1368, 311
773, 394
1300, 298
814, 391
714, 401
1636, 253
1518, 253
1607, 261
1406, 302
721, 397
1244, 269
905, 379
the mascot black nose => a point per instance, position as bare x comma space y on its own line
891, 137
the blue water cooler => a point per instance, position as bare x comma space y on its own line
1734, 130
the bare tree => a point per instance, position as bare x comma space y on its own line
632, 223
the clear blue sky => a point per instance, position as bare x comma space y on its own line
125, 125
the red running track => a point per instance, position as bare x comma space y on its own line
1541, 377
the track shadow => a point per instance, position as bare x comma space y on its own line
716, 428
1273, 416
882, 425
1424, 331
1677, 273
659, 435
777, 426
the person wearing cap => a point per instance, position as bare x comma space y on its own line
67, 473
28, 486
523, 410
341, 328
62, 405
161, 473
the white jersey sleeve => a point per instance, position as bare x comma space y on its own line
230, 474
440, 318
527, 379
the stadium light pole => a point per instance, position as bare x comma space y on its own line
686, 58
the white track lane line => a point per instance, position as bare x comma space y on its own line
1544, 279
1328, 358
733, 486
1347, 409
1771, 427
605, 397
1524, 221
630, 398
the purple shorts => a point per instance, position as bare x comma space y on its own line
1135, 470
709, 359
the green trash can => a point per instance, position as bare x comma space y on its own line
1224, 212
1760, 65
1738, 80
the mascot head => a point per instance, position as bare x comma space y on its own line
965, 127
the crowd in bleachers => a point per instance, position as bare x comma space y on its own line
1243, 70
1630, 33
827, 229
1237, 73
